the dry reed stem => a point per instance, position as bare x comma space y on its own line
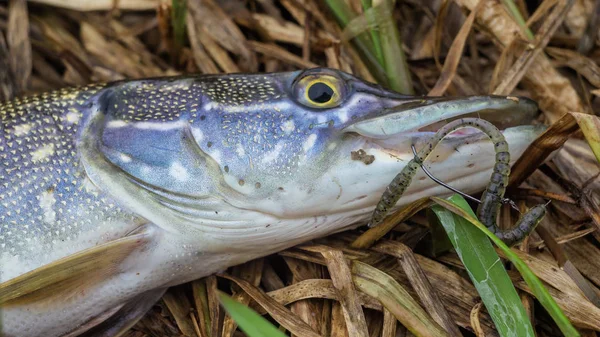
553, 91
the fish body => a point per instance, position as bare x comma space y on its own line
111, 193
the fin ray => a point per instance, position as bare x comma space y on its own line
71, 274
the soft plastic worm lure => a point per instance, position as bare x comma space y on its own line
491, 199
432, 177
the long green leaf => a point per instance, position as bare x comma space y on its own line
253, 324
486, 271
458, 206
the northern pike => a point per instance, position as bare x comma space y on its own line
111, 193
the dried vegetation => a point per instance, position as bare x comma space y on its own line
453, 47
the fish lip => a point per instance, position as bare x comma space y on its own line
412, 114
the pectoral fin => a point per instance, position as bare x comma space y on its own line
71, 275
115, 322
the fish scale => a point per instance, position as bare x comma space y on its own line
45, 196
148, 101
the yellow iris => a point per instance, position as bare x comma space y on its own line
320, 91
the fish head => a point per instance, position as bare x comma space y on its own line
317, 143
327, 142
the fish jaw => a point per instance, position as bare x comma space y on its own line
464, 162
414, 115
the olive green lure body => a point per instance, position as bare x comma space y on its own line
493, 196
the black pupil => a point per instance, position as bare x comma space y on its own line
320, 92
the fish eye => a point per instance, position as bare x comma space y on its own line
320, 91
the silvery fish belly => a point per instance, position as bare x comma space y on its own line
111, 193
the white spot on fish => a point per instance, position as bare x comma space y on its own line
309, 142
125, 158
116, 124
179, 172
198, 135
42, 153
47, 201
343, 116
211, 105
288, 127
240, 150
331, 146
283, 106
73, 117
22, 129
161, 126
273, 154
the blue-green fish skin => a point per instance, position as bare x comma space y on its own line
209, 171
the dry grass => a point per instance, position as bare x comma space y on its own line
308, 290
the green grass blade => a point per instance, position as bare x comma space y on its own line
383, 46
486, 271
363, 44
367, 4
516, 14
253, 324
178, 13
395, 63
459, 206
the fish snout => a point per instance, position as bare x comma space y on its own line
426, 114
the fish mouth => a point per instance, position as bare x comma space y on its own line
420, 117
